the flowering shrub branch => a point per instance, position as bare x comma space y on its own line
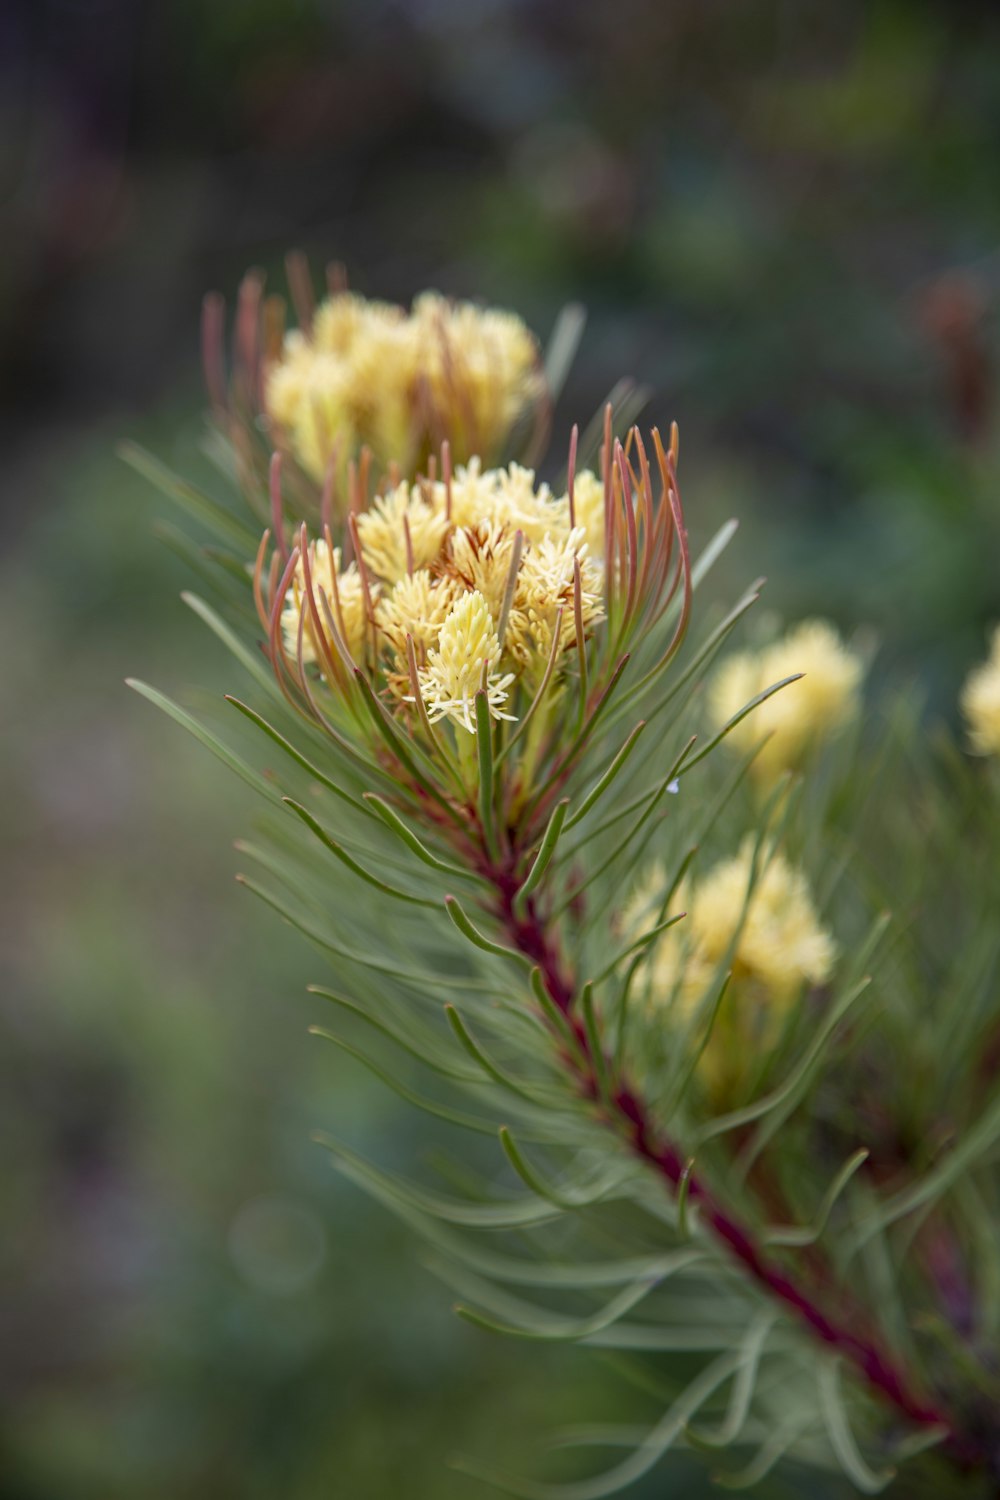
499, 743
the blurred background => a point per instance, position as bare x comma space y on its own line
784, 219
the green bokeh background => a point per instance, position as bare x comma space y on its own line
784, 221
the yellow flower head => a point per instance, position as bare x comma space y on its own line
463, 662
426, 546
417, 607
546, 584
480, 365
401, 532
479, 558
343, 593
524, 506
370, 373
801, 715
287, 381
471, 581
344, 320
473, 494
981, 702
308, 395
588, 505
780, 947
510, 498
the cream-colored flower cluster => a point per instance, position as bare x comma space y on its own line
778, 946
371, 373
473, 576
981, 702
800, 716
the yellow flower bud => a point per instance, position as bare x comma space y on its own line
981, 702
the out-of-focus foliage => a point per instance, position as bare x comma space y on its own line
782, 220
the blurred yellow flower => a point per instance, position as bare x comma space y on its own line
370, 373
778, 947
801, 715
981, 701
482, 367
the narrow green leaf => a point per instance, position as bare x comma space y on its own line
470, 931
480, 1125
407, 974
640, 942
402, 746
601, 786
596, 715
340, 853
578, 1197
935, 1183
392, 820
205, 737
296, 755
570, 1276
479, 1055
559, 1021
562, 347
683, 1196
695, 667
657, 1442
751, 1350
545, 852
418, 1045
251, 660
692, 1056
642, 824
484, 751
710, 555
540, 1326
737, 1118
208, 564
671, 1337
521, 727
595, 1044
793, 1235
514, 1213
738, 718
779, 1442
842, 1440
209, 513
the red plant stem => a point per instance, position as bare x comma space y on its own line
528, 933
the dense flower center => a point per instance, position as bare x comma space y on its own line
481, 579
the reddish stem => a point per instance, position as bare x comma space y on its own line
528, 933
